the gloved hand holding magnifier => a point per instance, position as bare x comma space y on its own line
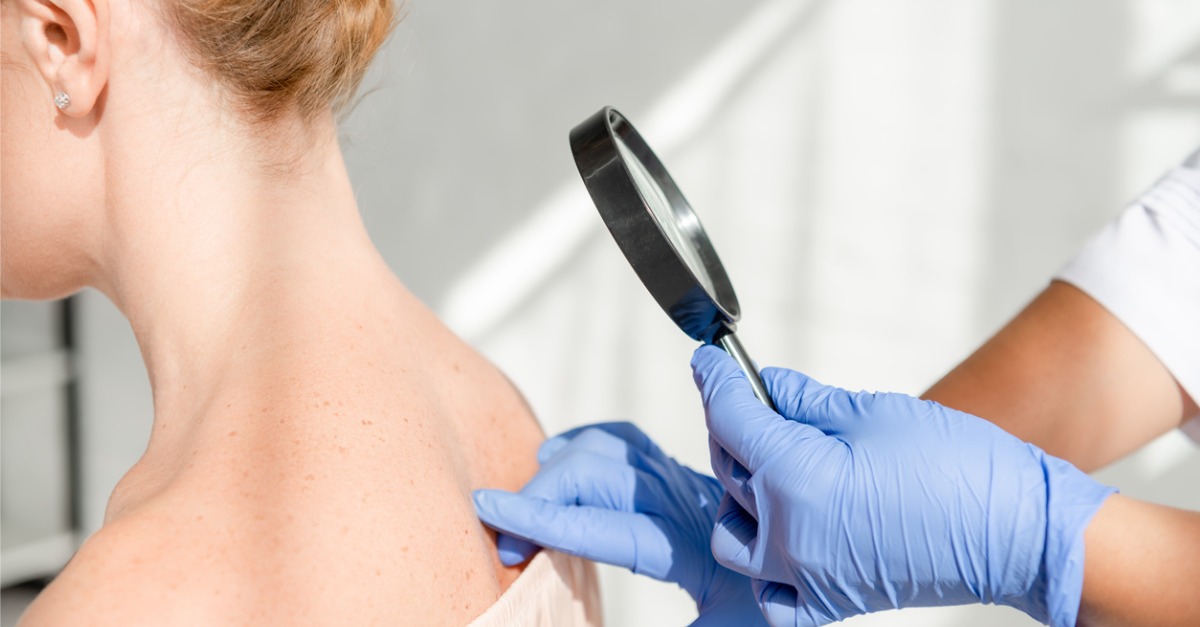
829, 503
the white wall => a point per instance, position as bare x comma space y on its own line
886, 182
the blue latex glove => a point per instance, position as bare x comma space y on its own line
850, 503
607, 493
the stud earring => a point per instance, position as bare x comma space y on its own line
62, 100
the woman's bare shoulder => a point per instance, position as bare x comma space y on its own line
342, 511
131, 573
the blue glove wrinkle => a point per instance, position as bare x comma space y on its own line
738, 478
779, 604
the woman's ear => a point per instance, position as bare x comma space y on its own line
68, 41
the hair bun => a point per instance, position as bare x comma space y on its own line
279, 56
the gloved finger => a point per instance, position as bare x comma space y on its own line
735, 538
513, 550
780, 604
629, 446
803, 399
576, 476
629, 540
732, 474
740, 423
554, 445
581, 477
625, 433
598, 442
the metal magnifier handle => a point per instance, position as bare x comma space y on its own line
733, 346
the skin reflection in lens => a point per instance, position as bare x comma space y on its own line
664, 215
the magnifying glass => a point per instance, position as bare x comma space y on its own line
660, 235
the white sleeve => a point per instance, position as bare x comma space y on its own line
1144, 268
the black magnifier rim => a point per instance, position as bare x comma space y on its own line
702, 314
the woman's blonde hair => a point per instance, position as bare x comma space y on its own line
279, 56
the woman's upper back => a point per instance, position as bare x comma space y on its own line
333, 487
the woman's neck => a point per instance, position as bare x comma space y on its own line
220, 266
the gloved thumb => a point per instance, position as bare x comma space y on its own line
736, 419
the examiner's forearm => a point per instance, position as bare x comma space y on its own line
1070, 378
1142, 566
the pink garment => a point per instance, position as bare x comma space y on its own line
556, 590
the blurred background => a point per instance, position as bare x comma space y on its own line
887, 183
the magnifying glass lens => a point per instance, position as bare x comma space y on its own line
659, 234
665, 216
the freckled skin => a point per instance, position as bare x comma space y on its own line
324, 491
